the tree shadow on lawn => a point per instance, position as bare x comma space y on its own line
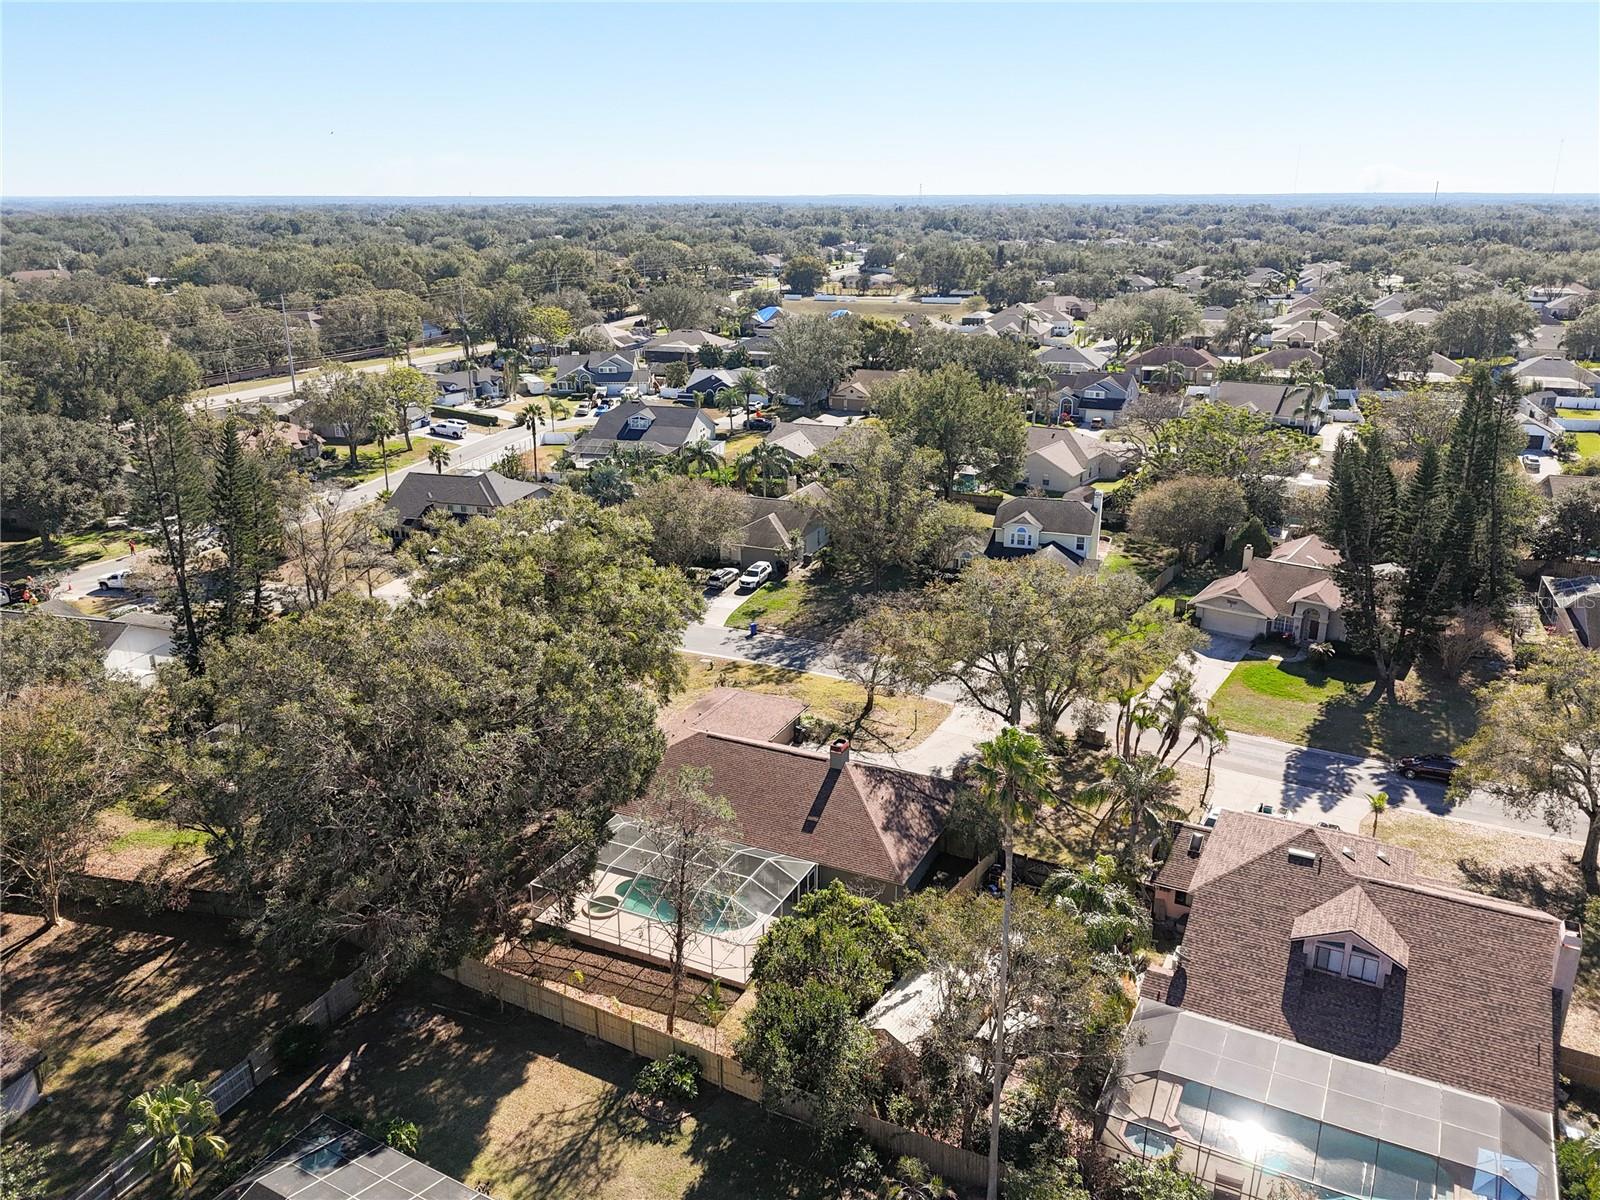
1549, 887
748, 1153
127, 1005
1433, 715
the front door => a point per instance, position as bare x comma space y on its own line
1310, 627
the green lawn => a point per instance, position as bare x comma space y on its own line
1588, 444
780, 603
1298, 703
522, 1109
369, 464
1579, 414
24, 556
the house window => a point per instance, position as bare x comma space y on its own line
1363, 967
1181, 898
1045, 482
1081, 544
1329, 958
1021, 538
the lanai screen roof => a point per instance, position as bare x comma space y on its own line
1352, 1128
749, 885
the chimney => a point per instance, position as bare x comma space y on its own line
839, 754
1249, 555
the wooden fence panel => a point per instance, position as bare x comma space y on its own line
609, 1027
1580, 1066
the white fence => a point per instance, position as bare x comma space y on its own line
229, 1088
484, 461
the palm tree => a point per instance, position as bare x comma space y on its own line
177, 1118
382, 426
1014, 775
1138, 793
530, 420
729, 400
510, 371
1379, 803
698, 457
1115, 920
1210, 730
438, 458
749, 382
766, 462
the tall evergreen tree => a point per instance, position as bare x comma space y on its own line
1390, 570
246, 511
1483, 526
172, 494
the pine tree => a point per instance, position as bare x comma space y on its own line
245, 509
1479, 476
172, 495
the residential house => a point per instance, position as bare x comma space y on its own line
765, 320
423, 495
608, 372
1138, 283
654, 428
681, 345
1067, 306
706, 382
1301, 405
1060, 459
853, 394
1552, 486
1057, 361
803, 438
1193, 366
1391, 306
757, 349
1568, 306
875, 828
1547, 373
1310, 330
1191, 280
1336, 1023
1280, 362
133, 646
1571, 607
1264, 278
779, 529
1313, 277
1096, 395
1414, 316
1541, 430
469, 386
1289, 592
301, 444
1066, 531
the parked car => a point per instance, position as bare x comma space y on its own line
761, 423
1428, 766
721, 578
757, 574
117, 581
449, 429
1530, 461
583, 410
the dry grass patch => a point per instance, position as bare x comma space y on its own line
898, 722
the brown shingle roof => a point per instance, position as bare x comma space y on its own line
1471, 1007
736, 713
1352, 911
867, 820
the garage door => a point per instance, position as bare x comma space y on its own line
1236, 624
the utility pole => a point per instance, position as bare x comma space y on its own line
288, 344
466, 339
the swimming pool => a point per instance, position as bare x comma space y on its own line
643, 897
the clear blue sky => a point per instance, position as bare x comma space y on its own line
787, 99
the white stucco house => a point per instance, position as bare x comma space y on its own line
1290, 592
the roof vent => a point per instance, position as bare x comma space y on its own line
1302, 858
1196, 840
1383, 856
1348, 853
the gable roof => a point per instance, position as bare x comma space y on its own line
1184, 356
670, 427
803, 438
1307, 551
736, 713
1281, 358
867, 820
1271, 587
420, 491
1470, 1007
1073, 518
1278, 400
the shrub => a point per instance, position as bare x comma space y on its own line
298, 1046
401, 1134
861, 1169
675, 1079
21, 1172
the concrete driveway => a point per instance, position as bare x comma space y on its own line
1211, 664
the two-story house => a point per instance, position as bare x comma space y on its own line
1191, 366
1066, 531
605, 371
1335, 1023
653, 428
1096, 397
1060, 459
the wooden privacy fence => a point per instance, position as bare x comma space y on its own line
229, 1088
1579, 1066
532, 995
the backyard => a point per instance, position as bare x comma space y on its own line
899, 722
1301, 703
121, 1001
522, 1109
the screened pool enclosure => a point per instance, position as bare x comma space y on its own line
627, 905
1259, 1116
